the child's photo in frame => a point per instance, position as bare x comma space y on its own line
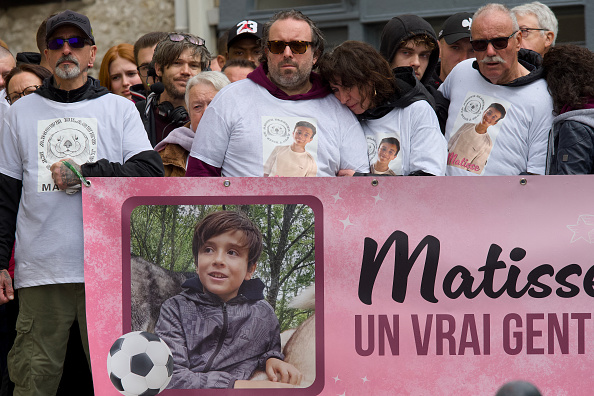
230, 289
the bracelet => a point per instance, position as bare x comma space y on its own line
77, 173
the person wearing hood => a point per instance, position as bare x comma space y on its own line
392, 107
69, 129
569, 76
249, 118
409, 40
506, 74
175, 148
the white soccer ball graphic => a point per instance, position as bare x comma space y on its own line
139, 364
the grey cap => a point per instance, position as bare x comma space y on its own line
69, 18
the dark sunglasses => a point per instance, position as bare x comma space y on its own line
498, 43
176, 37
297, 47
74, 42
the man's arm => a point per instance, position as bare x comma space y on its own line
198, 168
10, 196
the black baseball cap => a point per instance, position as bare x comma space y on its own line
69, 18
245, 28
456, 27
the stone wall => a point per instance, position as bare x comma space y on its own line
113, 22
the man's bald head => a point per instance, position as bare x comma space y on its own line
7, 63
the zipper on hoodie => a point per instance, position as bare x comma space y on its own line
221, 339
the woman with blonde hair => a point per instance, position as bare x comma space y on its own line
118, 71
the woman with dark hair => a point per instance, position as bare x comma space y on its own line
388, 103
24, 80
570, 75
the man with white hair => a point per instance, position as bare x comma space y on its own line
175, 148
506, 74
538, 26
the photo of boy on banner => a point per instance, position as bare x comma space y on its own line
382, 150
470, 147
297, 159
222, 331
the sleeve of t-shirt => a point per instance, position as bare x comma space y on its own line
212, 136
428, 147
353, 149
539, 133
169, 327
135, 139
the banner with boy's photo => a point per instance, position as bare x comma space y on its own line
364, 286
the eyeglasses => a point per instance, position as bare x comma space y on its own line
74, 42
498, 43
143, 69
177, 37
297, 47
13, 97
526, 31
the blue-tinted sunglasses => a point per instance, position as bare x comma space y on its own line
74, 42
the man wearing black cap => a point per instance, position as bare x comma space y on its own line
454, 44
50, 142
243, 42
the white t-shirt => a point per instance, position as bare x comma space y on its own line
244, 117
284, 162
422, 146
37, 132
519, 138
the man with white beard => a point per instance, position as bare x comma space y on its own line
71, 128
502, 73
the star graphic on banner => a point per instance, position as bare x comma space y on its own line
365, 379
378, 198
346, 222
336, 379
336, 197
584, 226
343, 394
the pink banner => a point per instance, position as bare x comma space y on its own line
424, 285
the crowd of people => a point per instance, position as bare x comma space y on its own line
490, 94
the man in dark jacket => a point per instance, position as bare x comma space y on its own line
409, 40
50, 142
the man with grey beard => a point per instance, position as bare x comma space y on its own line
71, 128
506, 74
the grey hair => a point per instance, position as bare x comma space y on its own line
544, 15
497, 7
216, 79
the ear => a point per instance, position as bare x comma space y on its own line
250, 271
158, 70
45, 53
550, 37
518, 40
93, 55
221, 59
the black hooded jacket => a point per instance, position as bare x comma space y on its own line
409, 90
402, 28
144, 164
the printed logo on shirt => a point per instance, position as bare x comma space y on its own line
63, 138
384, 155
476, 130
289, 147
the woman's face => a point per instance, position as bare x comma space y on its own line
123, 75
24, 81
350, 97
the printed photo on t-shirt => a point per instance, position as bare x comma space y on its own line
476, 130
383, 151
290, 147
63, 138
